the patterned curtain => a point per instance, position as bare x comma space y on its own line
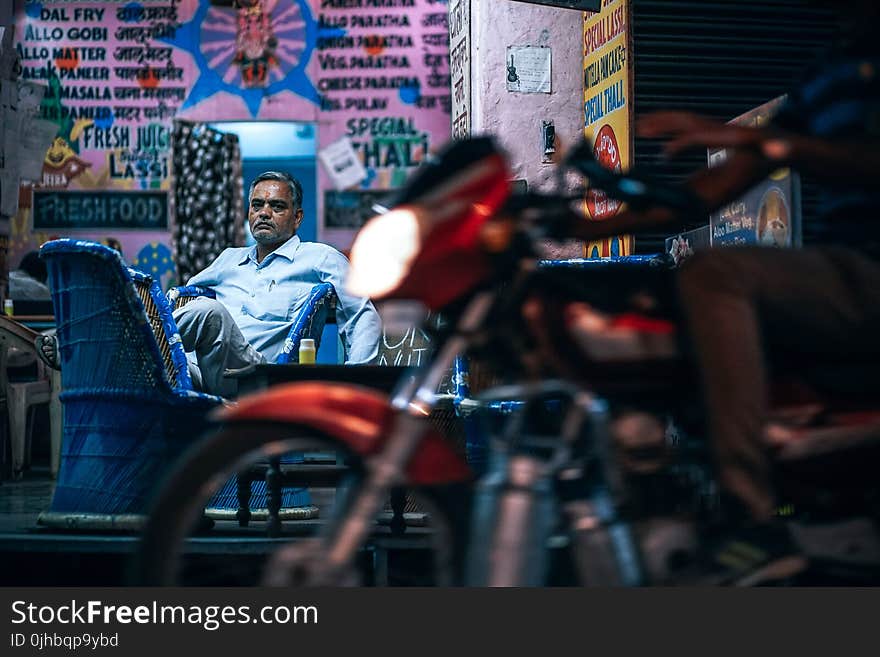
208, 206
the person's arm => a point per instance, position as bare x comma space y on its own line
845, 162
757, 152
782, 143
356, 318
715, 187
210, 275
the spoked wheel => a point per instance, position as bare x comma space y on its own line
182, 546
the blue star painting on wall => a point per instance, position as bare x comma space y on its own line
259, 49
155, 259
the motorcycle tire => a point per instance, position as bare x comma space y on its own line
176, 550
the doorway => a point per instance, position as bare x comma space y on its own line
279, 145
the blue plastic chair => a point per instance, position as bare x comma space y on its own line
308, 324
128, 412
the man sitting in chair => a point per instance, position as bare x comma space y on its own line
261, 289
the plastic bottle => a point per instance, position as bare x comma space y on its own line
307, 351
8, 308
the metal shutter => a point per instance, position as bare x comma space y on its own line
719, 58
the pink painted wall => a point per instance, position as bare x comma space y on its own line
515, 118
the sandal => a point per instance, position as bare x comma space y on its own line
47, 350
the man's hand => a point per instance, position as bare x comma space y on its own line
622, 224
713, 187
687, 130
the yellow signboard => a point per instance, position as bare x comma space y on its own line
608, 109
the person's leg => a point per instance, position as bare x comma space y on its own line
209, 331
739, 302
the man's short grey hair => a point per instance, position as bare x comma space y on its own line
296, 189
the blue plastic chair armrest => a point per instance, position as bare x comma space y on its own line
309, 323
138, 275
68, 245
172, 335
176, 293
200, 397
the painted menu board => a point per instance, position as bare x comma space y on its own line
117, 74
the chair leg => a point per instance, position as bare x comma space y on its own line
273, 496
55, 424
30, 420
380, 566
17, 405
205, 523
243, 491
4, 436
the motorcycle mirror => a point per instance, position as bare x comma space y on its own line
582, 152
446, 164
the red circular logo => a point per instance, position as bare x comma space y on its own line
607, 153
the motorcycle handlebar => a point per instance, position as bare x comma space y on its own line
638, 191
554, 211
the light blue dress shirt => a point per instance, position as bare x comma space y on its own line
265, 298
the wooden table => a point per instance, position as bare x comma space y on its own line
36, 322
379, 377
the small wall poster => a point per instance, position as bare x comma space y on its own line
342, 164
528, 69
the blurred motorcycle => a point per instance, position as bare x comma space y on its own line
589, 418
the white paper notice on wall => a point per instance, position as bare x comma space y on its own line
342, 164
528, 69
36, 138
30, 95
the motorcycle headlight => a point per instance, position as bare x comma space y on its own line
383, 252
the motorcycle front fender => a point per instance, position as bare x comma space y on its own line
359, 418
